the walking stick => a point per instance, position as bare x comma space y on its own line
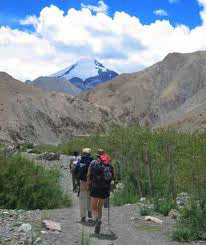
109, 227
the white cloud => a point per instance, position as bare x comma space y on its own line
202, 3
160, 12
120, 42
101, 8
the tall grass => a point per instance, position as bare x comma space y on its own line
150, 162
158, 164
24, 185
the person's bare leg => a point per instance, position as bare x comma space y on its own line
95, 207
99, 207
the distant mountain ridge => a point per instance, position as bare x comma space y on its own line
60, 85
171, 92
83, 75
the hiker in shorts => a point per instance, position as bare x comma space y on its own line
99, 177
81, 170
73, 162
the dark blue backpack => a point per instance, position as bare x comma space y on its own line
83, 167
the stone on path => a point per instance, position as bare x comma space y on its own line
25, 228
51, 225
173, 214
154, 219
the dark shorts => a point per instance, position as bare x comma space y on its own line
99, 193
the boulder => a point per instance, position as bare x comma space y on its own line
51, 225
49, 156
153, 219
173, 214
25, 228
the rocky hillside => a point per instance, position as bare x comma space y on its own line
28, 114
172, 91
56, 84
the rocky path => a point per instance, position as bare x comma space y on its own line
128, 227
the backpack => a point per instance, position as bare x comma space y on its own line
83, 167
75, 160
102, 175
105, 159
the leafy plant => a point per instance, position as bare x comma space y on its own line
192, 224
25, 185
164, 205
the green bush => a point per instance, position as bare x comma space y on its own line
144, 210
25, 185
164, 205
192, 224
182, 234
123, 196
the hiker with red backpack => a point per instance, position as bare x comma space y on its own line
99, 177
80, 171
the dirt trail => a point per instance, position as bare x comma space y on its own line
126, 230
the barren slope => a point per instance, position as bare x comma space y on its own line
151, 95
30, 115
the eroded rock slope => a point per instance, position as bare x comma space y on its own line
28, 114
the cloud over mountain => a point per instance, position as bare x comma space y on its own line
120, 41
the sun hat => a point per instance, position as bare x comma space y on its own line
100, 150
86, 150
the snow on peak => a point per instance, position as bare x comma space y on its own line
84, 68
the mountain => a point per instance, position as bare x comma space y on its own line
86, 73
30, 115
55, 84
170, 92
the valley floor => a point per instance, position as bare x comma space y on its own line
126, 223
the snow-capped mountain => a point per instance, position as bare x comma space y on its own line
86, 73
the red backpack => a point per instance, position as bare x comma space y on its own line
105, 159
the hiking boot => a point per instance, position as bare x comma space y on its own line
90, 214
83, 219
97, 227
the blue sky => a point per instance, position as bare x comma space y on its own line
40, 37
182, 12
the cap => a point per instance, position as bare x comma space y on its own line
100, 150
86, 150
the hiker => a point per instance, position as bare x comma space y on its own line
81, 170
99, 177
73, 162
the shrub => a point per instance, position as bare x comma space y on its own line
182, 234
123, 196
144, 210
25, 185
164, 205
192, 224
